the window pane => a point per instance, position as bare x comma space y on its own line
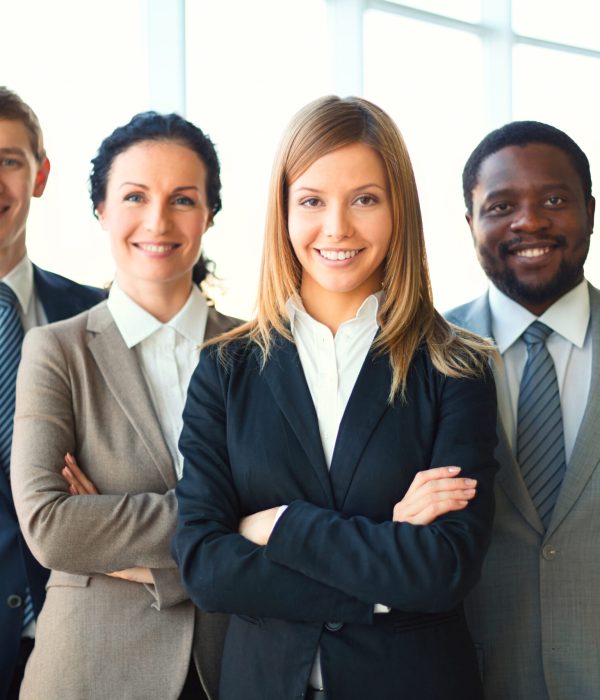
549, 86
467, 10
437, 101
83, 78
575, 24
242, 88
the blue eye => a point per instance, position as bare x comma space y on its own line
183, 200
133, 197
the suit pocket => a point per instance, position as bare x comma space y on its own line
63, 579
250, 619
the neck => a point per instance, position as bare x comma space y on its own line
10, 257
163, 300
332, 308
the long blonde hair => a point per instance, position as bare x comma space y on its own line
407, 316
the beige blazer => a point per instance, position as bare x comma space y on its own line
80, 389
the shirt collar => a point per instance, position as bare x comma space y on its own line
136, 324
20, 280
569, 316
367, 311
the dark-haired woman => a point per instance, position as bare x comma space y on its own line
107, 389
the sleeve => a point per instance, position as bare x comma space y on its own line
223, 571
78, 534
413, 568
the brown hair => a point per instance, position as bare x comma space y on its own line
13, 108
407, 316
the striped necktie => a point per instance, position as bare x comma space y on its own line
11, 339
540, 438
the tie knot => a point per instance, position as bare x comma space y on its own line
7, 296
537, 332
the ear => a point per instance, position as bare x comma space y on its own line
100, 214
469, 218
41, 178
591, 208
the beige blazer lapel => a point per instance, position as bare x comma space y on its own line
585, 456
121, 372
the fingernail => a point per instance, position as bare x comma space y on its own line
470, 482
453, 470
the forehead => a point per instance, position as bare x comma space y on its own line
527, 167
14, 135
158, 161
344, 165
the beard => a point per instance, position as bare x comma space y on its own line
568, 275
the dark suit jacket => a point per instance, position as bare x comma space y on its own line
61, 298
251, 441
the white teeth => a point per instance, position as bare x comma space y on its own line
155, 248
532, 252
338, 254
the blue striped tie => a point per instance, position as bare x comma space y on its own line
11, 339
540, 438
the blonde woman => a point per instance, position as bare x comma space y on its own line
337, 489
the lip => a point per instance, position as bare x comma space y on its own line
156, 250
533, 254
327, 255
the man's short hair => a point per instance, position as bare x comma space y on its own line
523, 133
13, 108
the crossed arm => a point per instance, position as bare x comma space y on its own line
318, 564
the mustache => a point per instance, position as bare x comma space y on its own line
505, 248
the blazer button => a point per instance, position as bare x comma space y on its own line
14, 601
334, 626
549, 552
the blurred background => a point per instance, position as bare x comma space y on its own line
447, 72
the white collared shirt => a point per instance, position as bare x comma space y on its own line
20, 280
331, 363
168, 354
331, 366
570, 347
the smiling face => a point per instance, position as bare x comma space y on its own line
340, 225
21, 178
156, 212
531, 224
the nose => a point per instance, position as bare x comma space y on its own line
530, 219
157, 219
337, 224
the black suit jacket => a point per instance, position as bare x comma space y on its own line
251, 441
60, 298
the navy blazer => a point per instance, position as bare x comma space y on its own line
60, 298
251, 441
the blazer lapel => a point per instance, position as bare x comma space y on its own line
123, 376
478, 318
585, 455
285, 378
371, 390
